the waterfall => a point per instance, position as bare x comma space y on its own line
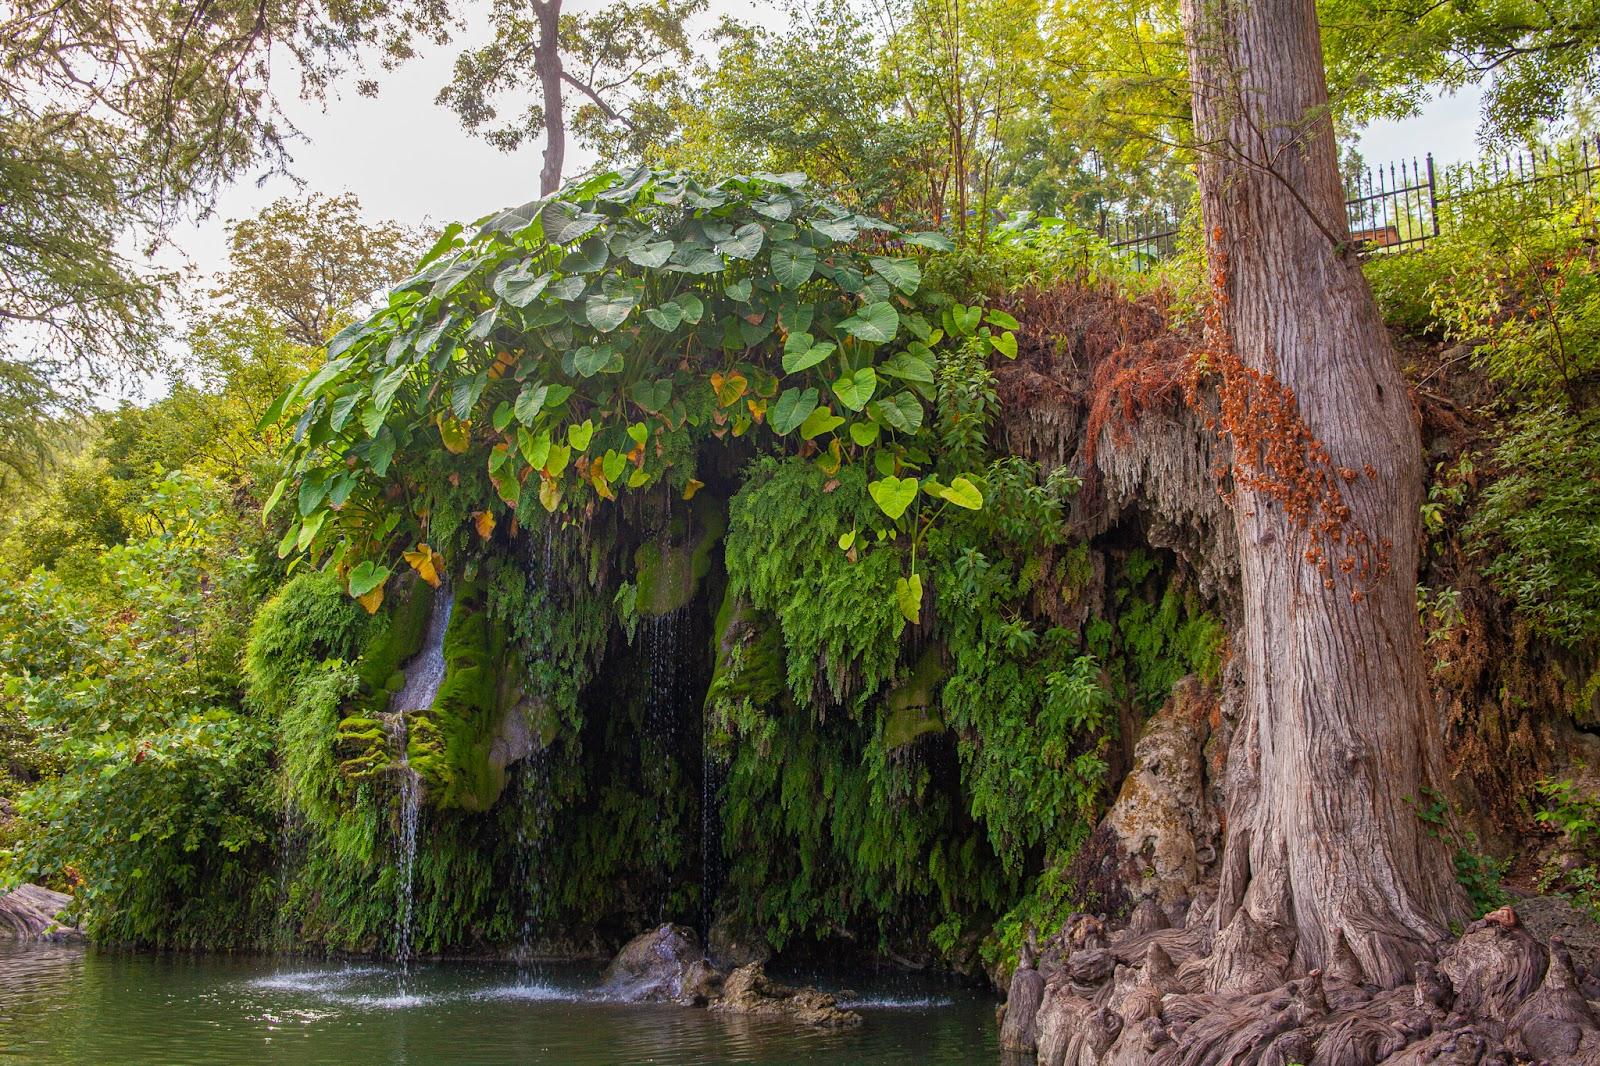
424, 674
533, 834
662, 705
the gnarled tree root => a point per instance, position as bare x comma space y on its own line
1495, 996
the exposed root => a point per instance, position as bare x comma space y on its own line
1496, 995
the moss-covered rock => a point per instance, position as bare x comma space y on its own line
912, 706
460, 747
671, 569
748, 677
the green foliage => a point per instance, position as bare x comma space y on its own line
841, 628
1576, 815
157, 814
1541, 521
308, 621
1479, 874
507, 349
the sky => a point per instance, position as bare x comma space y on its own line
408, 159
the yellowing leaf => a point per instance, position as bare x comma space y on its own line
692, 487
372, 600
456, 434
729, 388
908, 597
484, 520
426, 562
549, 494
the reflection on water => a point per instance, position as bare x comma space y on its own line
63, 1005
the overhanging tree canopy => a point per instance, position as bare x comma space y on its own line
583, 344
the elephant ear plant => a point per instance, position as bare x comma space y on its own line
582, 346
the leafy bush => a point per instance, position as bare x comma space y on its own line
158, 814
1540, 522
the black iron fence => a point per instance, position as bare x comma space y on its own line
1403, 205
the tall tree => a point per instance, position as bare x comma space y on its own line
116, 120
617, 60
307, 263
1323, 844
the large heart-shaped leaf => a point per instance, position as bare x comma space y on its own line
792, 409
908, 597
963, 493
893, 494
366, 576
579, 434
607, 312
877, 323
1005, 344
937, 241
693, 308
745, 242
864, 433
908, 367
650, 255
565, 223
464, 396
530, 402
592, 359
903, 274
900, 412
667, 317
820, 421
801, 352
455, 434
535, 447
854, 390
653, 396
694, 259
792, 264
521, 283
586, 258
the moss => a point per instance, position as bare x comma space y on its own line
362, 747
748, 679
398, 637
670, 572
450, 745
308, 622
912, 705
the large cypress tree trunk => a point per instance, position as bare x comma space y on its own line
1335, 740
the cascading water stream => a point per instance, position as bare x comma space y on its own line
424, 673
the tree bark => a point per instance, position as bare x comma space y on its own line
1325, 856
547, 60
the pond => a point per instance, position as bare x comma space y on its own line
68, 1005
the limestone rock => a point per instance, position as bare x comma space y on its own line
28, 912
1163, 819
748, 990
665, 965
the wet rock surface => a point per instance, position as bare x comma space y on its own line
664, 965
668, 965
28, 912
748, 990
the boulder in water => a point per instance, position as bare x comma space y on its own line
29, 913
748, 990
665, 965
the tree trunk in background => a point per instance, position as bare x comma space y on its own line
1335, 740
548, 61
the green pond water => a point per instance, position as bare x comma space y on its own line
68, 1005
